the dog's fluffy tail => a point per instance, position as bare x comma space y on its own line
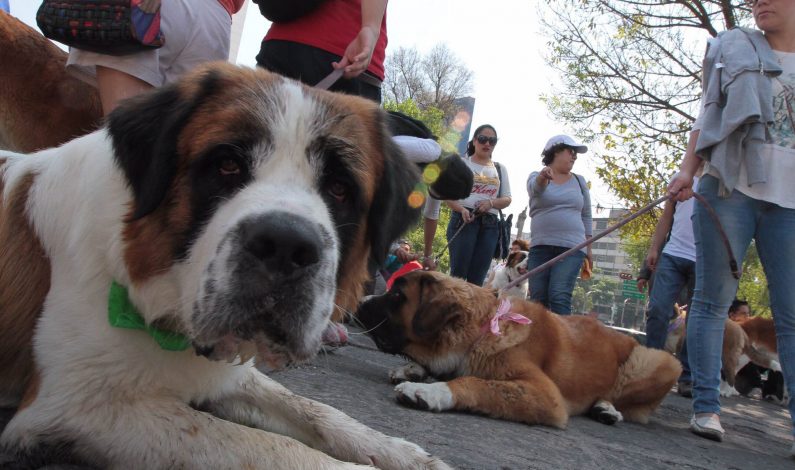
643, 381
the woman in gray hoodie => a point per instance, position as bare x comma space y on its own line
745, 133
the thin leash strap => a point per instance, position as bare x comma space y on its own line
447, 245
330, 79
647, 208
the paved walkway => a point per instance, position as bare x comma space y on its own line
354, 379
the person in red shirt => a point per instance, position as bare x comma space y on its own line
337, 34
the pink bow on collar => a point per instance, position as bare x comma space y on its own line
504, 313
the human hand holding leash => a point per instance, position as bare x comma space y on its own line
483, 206
358, 53
681, 186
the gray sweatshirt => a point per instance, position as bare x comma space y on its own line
738, 105
560, 215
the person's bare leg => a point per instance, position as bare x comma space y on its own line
115, 86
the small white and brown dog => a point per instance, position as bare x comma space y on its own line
205, 222
515, 266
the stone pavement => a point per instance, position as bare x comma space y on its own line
354, 379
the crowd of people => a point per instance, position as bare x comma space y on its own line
743, 138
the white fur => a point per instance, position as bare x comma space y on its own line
114, 392
727, 390
437, 395
451, 363
508, 274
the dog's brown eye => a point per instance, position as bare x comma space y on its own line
229, 167
339, 191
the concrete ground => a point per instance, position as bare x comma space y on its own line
354, 379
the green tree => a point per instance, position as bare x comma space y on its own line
630, 80
434, 119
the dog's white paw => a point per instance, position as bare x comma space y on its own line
411, 372
727, 390
774, 365
435, 397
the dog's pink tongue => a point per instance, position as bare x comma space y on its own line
335, 334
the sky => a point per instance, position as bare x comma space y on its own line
499, 41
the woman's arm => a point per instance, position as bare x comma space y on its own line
681, 185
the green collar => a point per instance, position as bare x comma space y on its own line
123, 314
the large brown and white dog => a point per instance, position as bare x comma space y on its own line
537, 373
226, 205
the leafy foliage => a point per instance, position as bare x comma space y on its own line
630, 81
435, 80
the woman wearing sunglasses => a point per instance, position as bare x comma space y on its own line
472, 248
560, 218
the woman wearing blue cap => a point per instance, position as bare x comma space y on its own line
560, 218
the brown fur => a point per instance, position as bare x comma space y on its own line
762, 333
24, 282
737, 340
539, 373
41, 105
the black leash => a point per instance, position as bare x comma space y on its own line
725, 239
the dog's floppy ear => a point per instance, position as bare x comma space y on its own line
145, 131
436, 309
391, 214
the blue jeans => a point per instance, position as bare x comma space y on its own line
743, 219
472, 250
553, 287
671, 276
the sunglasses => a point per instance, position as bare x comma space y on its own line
482, 139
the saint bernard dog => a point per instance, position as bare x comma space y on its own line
515, 267
509, 358
144, 264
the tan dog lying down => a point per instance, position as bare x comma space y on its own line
537, 373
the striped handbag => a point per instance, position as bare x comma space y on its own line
115, 27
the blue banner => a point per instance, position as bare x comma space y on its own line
4, 6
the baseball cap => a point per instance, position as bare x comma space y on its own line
567, 141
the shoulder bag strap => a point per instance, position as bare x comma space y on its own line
499, 190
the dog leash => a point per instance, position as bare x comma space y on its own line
330, 79
725, 239
447, 245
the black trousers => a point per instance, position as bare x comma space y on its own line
310, 65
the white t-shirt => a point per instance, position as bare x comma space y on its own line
486, 185
418, 150
682, 243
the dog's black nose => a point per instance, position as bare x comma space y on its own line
285, 243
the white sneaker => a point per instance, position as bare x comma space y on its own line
708, 427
